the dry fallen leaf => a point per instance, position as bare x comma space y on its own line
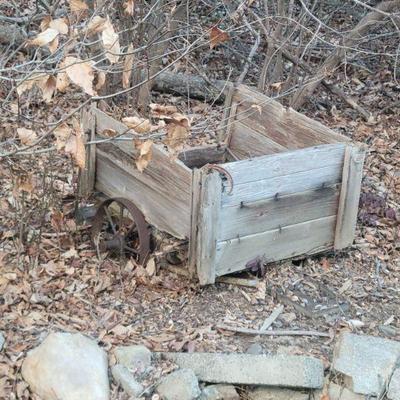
257, 107
30, 82
77, 5
139, 125
109, 133
127, 72
101, 80
44, 38
151, 266
160, 111
59, 25
129, 7
145, 154
81, 73
48, 88
178, 127
26, 136
62, 134
110, 42
95, 25
24, 183
53, 45
76, 147
218, 36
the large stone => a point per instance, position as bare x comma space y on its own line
250, 369
277, 394
179, 385
219, 392
367, 362
124, 378
394, 386
337, 392
2, 341
136, 358
67, 367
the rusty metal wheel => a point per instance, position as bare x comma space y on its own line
119, 227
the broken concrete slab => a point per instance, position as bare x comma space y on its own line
124, 378
179, 385
367, 362
277, 394
394, 386
251, 369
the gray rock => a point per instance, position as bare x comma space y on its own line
219, 392
277, 394
394, 386
125, 379
250, 369
2, 341
136, 358
255, 348
337, 392
367, 362
67, 367
179, 385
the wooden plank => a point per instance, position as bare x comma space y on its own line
161, 192
195, 209
246, 143
289, 241
287, 163
87, 175
197, 157
274, 188
264, 215
208, 224
349, 197
283, 125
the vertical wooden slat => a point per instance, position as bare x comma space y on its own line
208, 223
88, 174
349, 197
195, 208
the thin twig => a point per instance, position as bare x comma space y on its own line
248, 331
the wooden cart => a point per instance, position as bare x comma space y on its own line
280, 185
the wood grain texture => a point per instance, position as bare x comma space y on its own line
207, 226
88, 174
197, 157
162, 191
195, 209
349, 197
246, 143
274, 188
290, 162
265, 215
289, 241
284, 126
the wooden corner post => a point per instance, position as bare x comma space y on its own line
88, 174
349, 196
205, 223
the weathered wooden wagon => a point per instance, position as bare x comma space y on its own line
278, 185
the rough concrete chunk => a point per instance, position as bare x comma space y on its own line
277, 394
179, 385
219, 392
250, 369
394, 386
67, 367
366, 361
337, 392
125, 379
136, 358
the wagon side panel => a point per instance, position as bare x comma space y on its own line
281, 206
162, 191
